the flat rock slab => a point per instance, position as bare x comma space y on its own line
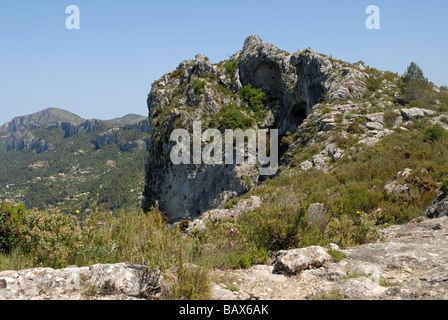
120, 281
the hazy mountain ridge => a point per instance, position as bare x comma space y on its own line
56, 158
42, 118
51, 116
18, 133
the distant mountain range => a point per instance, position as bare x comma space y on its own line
55, 158
54, 115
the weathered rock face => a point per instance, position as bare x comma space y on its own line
99, 282
292, 83
25, 140
296, 82
439, 208
184, 191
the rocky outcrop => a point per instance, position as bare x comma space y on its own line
415, 113
296, 82
107, 138
410, 264
99, 282
142, 125
394, 188
439, 208
25, 140
441, 120
71, 129
292, 83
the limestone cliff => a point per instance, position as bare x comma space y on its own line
199, 90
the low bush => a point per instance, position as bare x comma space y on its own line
373, 84
274, 227
53, 240
10, 220
199, 86
254, 98
231, 67
390, 117
444, 186
434, 133
231, 117
336, 255
346, 231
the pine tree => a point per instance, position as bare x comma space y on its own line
415, 85
414, 73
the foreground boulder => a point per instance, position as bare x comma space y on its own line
296, 260
120, 281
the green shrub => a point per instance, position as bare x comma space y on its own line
10, 220
327, 296
373, 84
253, 96
177, 73
136, 236
192, 283
336, 255
355, 129
444, 186
417, 104
387, 283
54, 240
199, 86
346, 231
231, 67
183, 225
231, 117
274, 227
389, 118
434, 133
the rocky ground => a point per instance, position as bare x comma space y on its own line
410, 263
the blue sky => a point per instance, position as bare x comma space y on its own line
105, 69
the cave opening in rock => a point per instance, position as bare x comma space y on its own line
298, 114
